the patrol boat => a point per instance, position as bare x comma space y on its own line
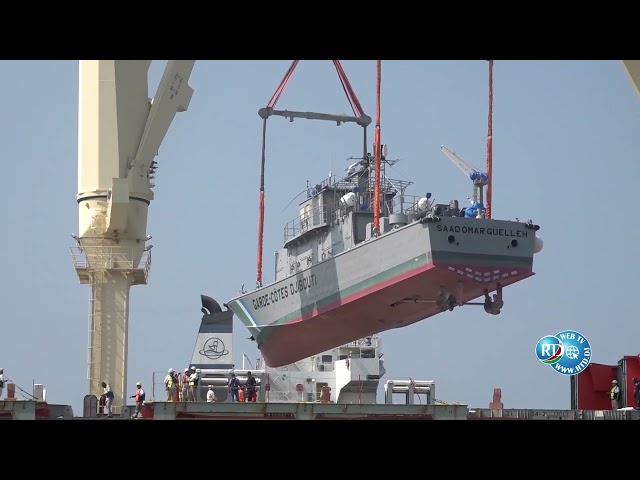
339, 279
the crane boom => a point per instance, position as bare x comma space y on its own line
467, 169
173, 95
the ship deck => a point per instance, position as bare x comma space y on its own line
27, 410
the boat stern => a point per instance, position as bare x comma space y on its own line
482, 251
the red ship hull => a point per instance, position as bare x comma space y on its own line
382, 308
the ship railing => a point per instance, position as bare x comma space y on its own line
279, 390
348, 183
159, 393
424, 391
294, 397
315, 217
366, 342
551, 414
277, 396
319, 366
407, 204
608, 414
136, 260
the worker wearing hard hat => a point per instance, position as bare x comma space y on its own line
193, 384
139, 396
170, 385
615, 395
184, 385
636, 393
211, 396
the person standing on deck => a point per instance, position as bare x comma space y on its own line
108, 399
615, 395
250, 387
170, 385
184, 385
139, 396
193, 384
234, 386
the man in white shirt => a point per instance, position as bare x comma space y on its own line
2, 381
108, 399
193, 385
211, 396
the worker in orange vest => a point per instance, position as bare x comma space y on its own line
139, 396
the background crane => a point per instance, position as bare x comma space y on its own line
479, 179
120, 130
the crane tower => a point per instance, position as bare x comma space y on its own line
120, 130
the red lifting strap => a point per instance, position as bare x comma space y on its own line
348, 90
359, 118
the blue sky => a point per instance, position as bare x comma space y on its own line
566, 147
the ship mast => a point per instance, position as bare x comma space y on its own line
378, 153
490, 144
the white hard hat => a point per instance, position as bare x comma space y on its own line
171, 370
193, 368
186, 370
614, 381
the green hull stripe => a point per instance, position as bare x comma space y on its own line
438, 257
